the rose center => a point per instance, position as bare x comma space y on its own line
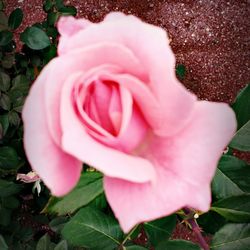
103, 105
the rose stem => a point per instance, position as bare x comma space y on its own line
196, 229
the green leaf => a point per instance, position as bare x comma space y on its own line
14, 118
5, 102
3, 245
8, 158
177, 245
8, 61
52, 18
160, 229
241, 140
5, 216
15, 18
93, 229
59, 4
43, 243
135, 248
87, 189
4, 120
62, 245
58, 223
8, 188
68, 11
241, 106
5, 37
232, 237
1, 5
47, 6
235, 208
180, 71
35, 38
10, 202
211, 222
232, 177
4, 81
3, 21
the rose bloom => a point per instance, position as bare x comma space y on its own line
111, 99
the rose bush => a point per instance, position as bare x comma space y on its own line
111, 99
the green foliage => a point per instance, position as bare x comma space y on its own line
3, 244
93, 229
35, 38
232, 236
180, 71
241, 106
241, 140
177, 245
8, 158
87, 189
160, 229
232, 177
5, 37
235, 208
15, 18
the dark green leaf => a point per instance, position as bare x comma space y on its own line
8, 158
177, 245
3, 245
68, 11
8, 188
47, 5
59, 4
8, 61
235, 208
241, 140
232, 237
211, 222
58, 223
241, 106
5, 102
1, 5
5, 216
5, 37
62, 245
4, 120
14, 118
3, 21
160, 229
52, 18
20, 82
87, 189
35, 38
15, 18
50, 53
35, 60
10, 202
43, 243
180, 71
135, 248
4, 81
93, 229
232, 177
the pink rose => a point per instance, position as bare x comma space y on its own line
111, 99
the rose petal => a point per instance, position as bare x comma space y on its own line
77, 142
195, 151
59, 171
150, 45
82, 60
115, 109
135, 203
185, 165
